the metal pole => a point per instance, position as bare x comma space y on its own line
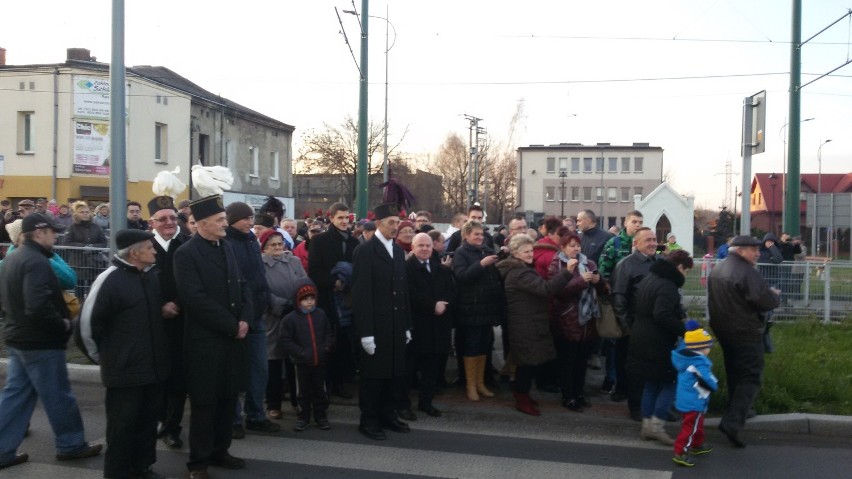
386, 172
791, 225
745, 216
819, 193
361, 176
600, 214
118, 131
826, 293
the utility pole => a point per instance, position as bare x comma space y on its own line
791, 220
472, 166
361, 186
117, 130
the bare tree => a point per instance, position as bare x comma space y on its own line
334, 150
501, 170
451, 162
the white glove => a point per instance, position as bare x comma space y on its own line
407, 336
369, 344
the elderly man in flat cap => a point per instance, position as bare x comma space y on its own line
382, 318
739, 299
218, 310
114, 323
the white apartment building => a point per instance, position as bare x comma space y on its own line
565, 178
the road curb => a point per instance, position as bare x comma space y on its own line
794, 423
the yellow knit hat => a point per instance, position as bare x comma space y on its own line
696, 337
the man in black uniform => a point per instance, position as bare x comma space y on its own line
218, 311
164, 224
383, 321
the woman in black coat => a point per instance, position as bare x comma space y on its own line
480, 305
658, 325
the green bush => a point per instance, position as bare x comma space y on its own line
809, 372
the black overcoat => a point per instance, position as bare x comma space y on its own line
173, 326
324, 252
215, 299
431, 333
381, 307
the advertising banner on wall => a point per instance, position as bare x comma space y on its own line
91, 147
91, 97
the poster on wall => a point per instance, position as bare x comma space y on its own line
91, 97
91, 147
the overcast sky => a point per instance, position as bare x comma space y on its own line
672, 73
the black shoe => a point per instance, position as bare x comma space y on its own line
301, 425
19, 459
617, 396
238, 432
228, 461
323, 423
148, 474
89, 451
374, 433
430, 410
607, 387
732, 436
263, 426
582, 401
396, 425
172, 440
406, 414
572, 404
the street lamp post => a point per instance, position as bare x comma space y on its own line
819, 192
562, 174
784, 169
773, 180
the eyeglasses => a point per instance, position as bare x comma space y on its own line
173, 219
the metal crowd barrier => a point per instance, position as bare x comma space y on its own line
815, 288
88, 263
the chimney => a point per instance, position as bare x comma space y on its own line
82, 54
2, 56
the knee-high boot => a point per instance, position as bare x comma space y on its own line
480, 377
470, 375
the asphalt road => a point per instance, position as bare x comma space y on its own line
485, 440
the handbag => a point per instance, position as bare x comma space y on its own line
607, 324
72, 303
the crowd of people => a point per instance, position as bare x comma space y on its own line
230, 307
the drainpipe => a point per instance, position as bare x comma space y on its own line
55, 133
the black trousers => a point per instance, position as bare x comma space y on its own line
377, 399
744, 371
310, 391
624, 383
341, 366
524, 378
429, 366
274, 384
572, 359
131, 436
210, 430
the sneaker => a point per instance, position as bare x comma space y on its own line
238, 432
18, 459
683, 460
301, 425
274, 414
699, 450
607, 387
323, 424
263, 426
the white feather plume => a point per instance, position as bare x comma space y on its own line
211, 180
167, 183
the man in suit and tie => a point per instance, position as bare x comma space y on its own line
430, 285
382, 320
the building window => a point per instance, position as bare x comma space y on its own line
599, 165
229, 155
587, 165
625, 165
575, 193
575, 165
612, 194
613, 165
204, 149
551, 165
637, 190
599, 192
550, 193
563, 164
637, 164
625, 193
587, 193
26, 132
273, 157
255, 161
611, 221
161, 142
